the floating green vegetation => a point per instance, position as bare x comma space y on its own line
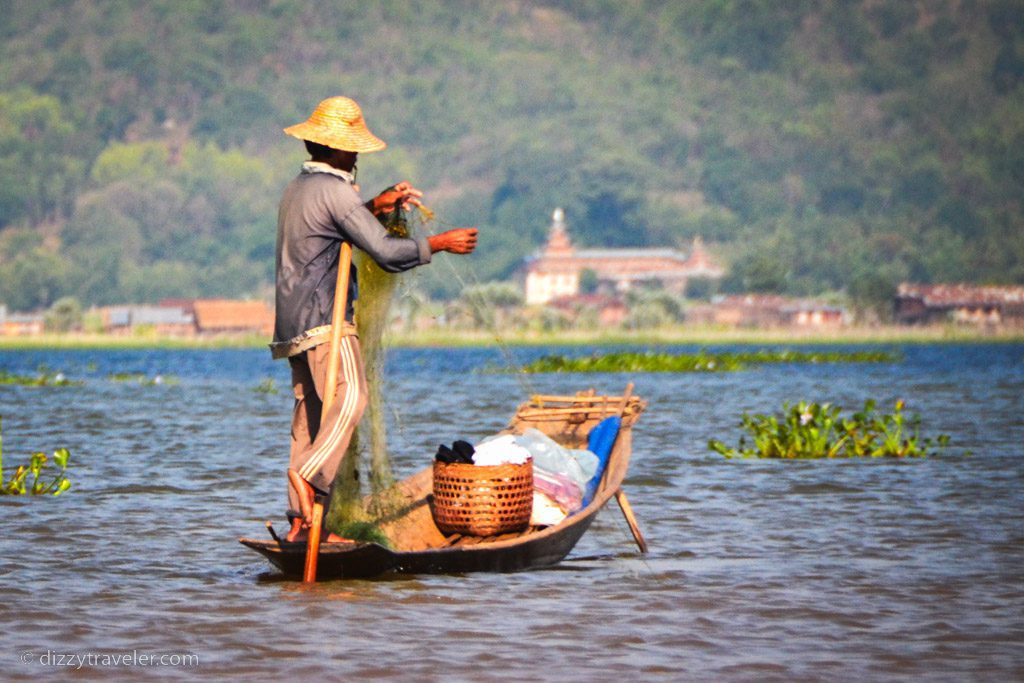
45, 378
142, 378
812, 430
267, 386
31, 478
702, 361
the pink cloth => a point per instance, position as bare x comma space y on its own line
559, 488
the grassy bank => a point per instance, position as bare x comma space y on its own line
705, 336
678, 334
111, 341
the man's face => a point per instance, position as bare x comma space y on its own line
346, 161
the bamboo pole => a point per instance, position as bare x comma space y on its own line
313, 543
337, 323
620, 495
634, 528
333, 366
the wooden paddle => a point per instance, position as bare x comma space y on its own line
333, 365
620, 496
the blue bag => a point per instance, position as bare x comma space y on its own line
599, 442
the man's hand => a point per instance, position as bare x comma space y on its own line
456, 241
403, 194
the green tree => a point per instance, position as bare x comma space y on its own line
138, 162
588, 281
652, 308
753, 31
32, 280
40, 170
873, 290
483, 301
848, 121
64, 315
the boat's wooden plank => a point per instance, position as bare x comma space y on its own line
604, 403
469, 540
561, 413
582, 398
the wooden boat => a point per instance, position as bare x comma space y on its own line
419, 547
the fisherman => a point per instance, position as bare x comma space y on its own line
319, 210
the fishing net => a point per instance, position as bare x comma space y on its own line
348, 516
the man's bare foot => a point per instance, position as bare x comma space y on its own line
297, 528
300, 532
335, 538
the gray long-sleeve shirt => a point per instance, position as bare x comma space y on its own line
320, 209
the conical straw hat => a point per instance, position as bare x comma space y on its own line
338, 123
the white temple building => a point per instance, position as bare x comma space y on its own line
555, 272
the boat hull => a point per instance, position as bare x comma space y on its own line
345, 561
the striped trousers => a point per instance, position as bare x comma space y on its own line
317, 448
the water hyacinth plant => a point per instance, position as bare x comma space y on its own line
266, 386
142, 378
31, 478
702, 361
45, 378
813, 430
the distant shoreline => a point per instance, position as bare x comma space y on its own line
679, 334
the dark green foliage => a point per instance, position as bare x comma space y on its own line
701, 288
588, 281
753, 31
827, 145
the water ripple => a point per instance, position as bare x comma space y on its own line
757, 570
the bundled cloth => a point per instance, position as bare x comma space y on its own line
500, 450
546, 512
559, 489
460, 451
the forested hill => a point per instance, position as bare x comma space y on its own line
829, 145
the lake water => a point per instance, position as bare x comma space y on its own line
811, 570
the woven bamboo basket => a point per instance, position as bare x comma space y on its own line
482, 500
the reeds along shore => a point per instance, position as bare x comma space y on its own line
674, 334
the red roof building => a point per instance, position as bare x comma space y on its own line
767, 310
607, 311
164, 320
223, 316
959, 303
20, 324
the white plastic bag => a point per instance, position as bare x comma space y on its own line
578, 465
